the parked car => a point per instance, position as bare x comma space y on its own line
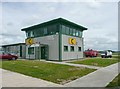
91, 53
106, 54
8, 56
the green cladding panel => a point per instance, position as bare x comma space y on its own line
60, 43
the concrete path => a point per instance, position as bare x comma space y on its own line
0, 79
77, 65
12, 79
99, 78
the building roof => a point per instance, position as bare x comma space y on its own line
58, 20
13, 44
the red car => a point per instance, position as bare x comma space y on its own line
8, 56
91, 53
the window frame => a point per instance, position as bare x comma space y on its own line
31, 50
79, 49
74, 32
45, 32
67, 32
66, 49
71, 31
77, 33
72, 50
63, 29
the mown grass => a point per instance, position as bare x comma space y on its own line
0, 63
116, 56
115, 82
101, 62
56, 73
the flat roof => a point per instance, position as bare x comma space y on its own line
13, 44
58, 20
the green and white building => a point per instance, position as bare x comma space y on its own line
19, 49
58, 39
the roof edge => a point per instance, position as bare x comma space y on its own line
53, 21
13, 44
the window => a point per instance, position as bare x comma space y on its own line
29, 34
45, 31
80, 34
67, 30
63, 29
79, 48
52, 29
77, 33
41, 32
71, 48
71, 31
31, 50
55, 29
65, 48
37, 32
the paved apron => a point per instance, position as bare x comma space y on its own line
99, 78
12, 79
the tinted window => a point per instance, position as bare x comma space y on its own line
71, 31
77, 33
52, 29
67, 30
31, 50
79, 48
74, 32
65, 48
71, 48
45, 31
63, 29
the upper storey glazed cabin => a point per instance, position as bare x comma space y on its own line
58, 39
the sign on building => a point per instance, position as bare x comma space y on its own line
29, 41
72, 41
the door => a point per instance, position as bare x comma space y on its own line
37, 53
20, 50
44, 52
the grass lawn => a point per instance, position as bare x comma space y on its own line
115, 82
116, 56
56, 73
0, 63
101, 62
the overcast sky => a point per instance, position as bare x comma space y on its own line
101, 19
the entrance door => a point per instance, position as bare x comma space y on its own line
44, 52
37, 52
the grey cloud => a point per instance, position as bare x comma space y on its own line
11, 40
101, 44
8, 35
99, 18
